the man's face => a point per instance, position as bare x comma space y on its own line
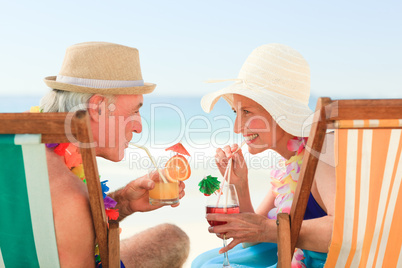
117, 123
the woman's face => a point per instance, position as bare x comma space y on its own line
256, 125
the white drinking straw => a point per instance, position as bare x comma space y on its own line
238, 148
230, 173
152, 159
230, 158
227, 193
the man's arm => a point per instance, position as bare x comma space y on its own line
72, 216
74, 230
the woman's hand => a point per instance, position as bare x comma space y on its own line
134, 197
243, 227
239, 172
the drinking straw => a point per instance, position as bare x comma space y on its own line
228, 167
152, 159
238, 148
228, 170
230, 158
227, 193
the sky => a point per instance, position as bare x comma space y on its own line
354, 48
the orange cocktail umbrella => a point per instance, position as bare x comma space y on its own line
179, 162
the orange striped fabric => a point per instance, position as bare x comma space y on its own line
372, 123
368, 207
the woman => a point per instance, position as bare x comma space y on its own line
270, 99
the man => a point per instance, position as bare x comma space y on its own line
106, 80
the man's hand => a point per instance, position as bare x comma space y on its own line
134, 197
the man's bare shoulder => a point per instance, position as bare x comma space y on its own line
63, 183
72, 216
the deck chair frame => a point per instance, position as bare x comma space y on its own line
328, 113
64, 128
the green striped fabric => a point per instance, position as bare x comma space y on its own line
27, 236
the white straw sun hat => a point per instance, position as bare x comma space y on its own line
278, 78
100, 67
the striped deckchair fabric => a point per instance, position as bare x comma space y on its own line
383, 123
368, 202
27, 235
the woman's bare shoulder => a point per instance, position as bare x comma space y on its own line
325, 177
327, 155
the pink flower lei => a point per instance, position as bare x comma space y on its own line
284, 182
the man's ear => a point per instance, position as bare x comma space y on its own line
96, 107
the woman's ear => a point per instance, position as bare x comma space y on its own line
95, 107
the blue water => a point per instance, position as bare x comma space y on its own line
167, 120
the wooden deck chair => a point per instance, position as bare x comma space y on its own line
27, 235
368, 204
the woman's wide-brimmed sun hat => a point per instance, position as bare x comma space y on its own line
101, 68
278, 78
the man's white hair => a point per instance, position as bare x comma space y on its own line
59, 101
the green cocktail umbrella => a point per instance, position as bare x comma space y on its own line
208, 185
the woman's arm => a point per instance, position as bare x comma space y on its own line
267, 204
314, 235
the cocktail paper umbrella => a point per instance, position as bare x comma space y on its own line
178, 148
208, 185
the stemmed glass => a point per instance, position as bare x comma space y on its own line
224, 201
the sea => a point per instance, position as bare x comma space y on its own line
167, 120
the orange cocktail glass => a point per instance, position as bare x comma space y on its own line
166, 190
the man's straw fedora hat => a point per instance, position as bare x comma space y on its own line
278, 78
102, 68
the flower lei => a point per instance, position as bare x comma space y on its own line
73, 160
284, 181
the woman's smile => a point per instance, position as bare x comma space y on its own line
250, 138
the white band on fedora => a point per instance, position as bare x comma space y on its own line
97, 83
